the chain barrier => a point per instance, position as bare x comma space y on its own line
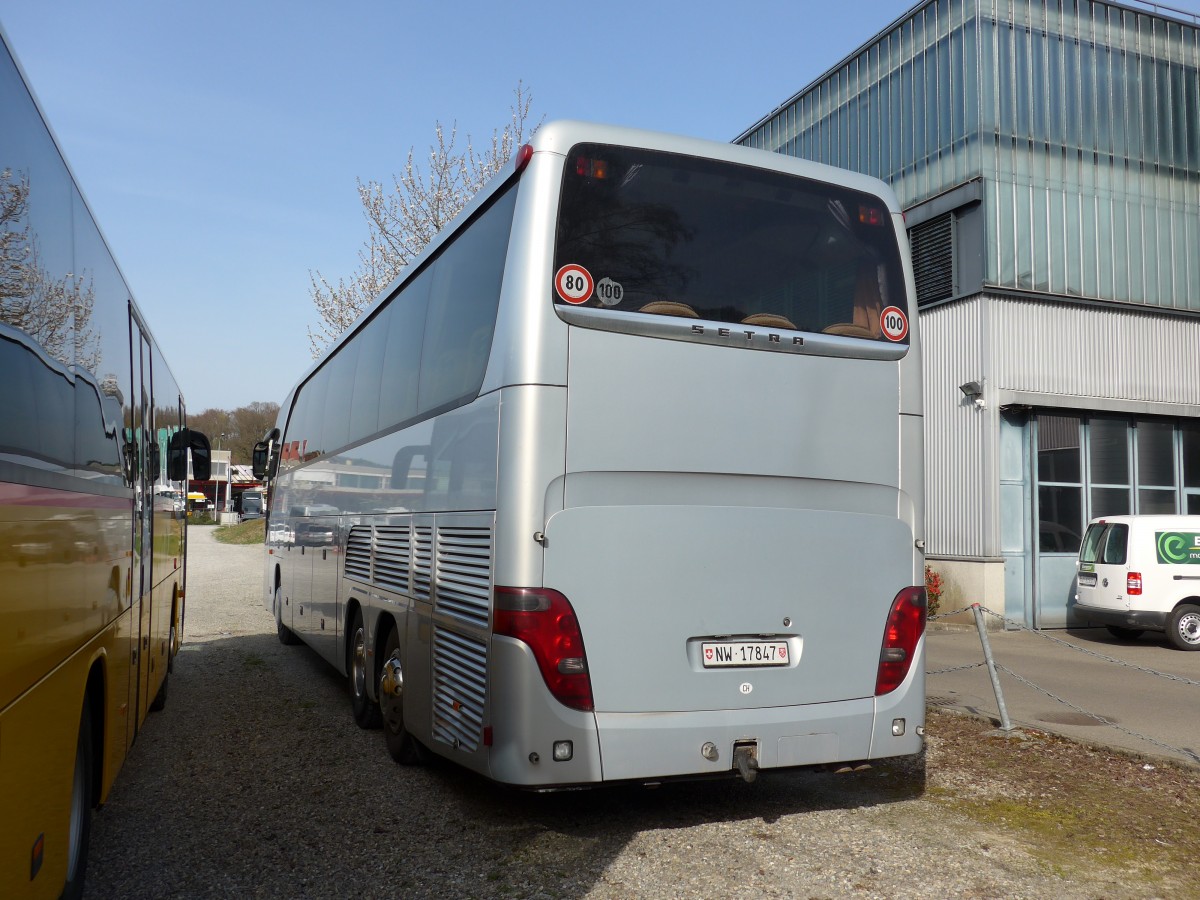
1009, 623
955, 669
1194, 757
1084, 650
945, 615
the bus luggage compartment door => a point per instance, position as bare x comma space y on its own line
651, 585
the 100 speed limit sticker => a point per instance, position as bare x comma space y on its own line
574, 283
894, 323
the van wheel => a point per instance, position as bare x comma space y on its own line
1125, 634
366, 710
1183, 629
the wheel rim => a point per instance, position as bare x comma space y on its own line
359, 662
391, 694
1189, 628
78, 810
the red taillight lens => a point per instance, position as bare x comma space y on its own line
522, 157
591, 168
870, 215
905, 625
544, 620
1133, 583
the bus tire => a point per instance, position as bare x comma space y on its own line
366, 710
160, 699
285, 634
402, 746
80, 831
1183, 627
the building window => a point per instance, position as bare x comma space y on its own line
1191, 467
1108, 465
1090, 466
1156, 468
1060, 484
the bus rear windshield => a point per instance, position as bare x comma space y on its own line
659, 233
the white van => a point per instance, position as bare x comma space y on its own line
1142, 573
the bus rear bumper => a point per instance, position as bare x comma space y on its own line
664, 745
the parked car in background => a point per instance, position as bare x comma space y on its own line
1142, 573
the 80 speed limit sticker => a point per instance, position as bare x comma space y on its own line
574, 283
894, 323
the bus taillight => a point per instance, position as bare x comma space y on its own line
591, 168
522, 157
544, 620
905, 625
1133, 583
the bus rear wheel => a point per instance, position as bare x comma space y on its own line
402, 746
81, 808
366, 710
286, 635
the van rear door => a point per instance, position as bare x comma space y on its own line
1103, 570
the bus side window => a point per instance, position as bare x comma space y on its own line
402, 464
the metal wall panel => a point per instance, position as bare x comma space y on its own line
1043, 354
1096, 353
960, 437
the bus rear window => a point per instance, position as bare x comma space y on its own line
664, 234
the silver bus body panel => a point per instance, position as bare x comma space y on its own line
532, 446
528, 720
650, 583
530, 346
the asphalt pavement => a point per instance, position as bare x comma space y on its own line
1140, 696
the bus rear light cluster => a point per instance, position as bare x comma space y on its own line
544, 620
522, 157
1133, 583
905, 625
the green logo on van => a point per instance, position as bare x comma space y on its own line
1178, 547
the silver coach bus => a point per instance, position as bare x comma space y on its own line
622, 479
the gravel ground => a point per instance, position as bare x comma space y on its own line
255, 781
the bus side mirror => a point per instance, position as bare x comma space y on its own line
260, 460
177, 456
154, 462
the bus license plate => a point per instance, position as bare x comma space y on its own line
744, 653
1087, 579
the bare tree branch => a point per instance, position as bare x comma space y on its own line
403, 219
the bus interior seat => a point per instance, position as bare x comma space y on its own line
769, 320
670, 308
868, 306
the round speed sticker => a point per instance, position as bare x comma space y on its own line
574, 283
894, 323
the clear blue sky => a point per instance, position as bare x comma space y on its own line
218, 144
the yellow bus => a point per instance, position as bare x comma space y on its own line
93, 451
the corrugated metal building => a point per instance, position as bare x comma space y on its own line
1047, 154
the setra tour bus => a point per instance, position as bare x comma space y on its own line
622, 479
93, 461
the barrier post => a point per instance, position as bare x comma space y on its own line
1005, 724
